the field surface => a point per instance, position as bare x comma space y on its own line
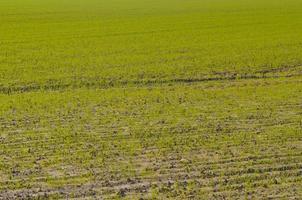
150, 99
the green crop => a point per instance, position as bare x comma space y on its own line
141, 99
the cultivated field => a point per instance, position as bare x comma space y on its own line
151, 99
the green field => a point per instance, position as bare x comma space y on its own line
150, 99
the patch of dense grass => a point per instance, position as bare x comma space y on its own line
150, 99
63, 43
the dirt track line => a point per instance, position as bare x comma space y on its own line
8, 90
